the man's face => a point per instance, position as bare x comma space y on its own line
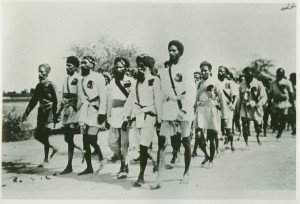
119, 71
205, 72
42, 73
248, 76
197, 77
174, 54
70, 68
141, 71
280, 74
221, 73
85, 67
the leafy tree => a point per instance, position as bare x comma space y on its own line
105, 51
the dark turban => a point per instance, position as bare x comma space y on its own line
124, 61
248, 69
280, 72
146, 60
73, 60
90, 59
178, 44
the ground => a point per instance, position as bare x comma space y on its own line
262, 172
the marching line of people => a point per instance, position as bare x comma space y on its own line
175, 104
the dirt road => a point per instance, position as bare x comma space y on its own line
262, 172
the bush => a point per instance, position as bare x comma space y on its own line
14, 129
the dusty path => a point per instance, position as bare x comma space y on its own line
263, 172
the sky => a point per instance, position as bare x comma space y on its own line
223, 34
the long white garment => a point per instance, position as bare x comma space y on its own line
208, 96
93, 87
184, 82
228, 90
145, 98
115, 99
256, 90
70, 87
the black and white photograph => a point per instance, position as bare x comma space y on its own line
149, 101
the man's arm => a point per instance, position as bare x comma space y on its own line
158, 98
102, 94
33, 101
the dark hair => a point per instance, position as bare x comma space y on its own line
205, 63
225, 68
248, 69
240, 77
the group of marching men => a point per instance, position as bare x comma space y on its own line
137, 104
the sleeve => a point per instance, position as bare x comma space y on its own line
239, 105
262, 95
158, 98
81, 96
190, 89
60, 105
54, 98
218, 92
33, 101
290, 87
127, 109
79, 93
234, 92
108, 98
102, 94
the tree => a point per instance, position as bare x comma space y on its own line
105, 51
262, 68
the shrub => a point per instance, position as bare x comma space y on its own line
13, 127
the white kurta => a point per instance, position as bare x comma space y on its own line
228, 87
248, 95
115, 96
184, 82
70, 87
93, 85
207, 115
149, 99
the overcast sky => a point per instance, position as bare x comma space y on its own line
223, 34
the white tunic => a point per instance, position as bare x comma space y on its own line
69, 95
149, 100
93, 87
228, 90
184, 82
115, 99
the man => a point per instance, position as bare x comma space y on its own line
118, 92
228, 97
236, 117
267, 106
177, 110
292, 110
145, 105
92, 112
207, 108
69, 106
281, 92
252, 99
45, 94
197, 76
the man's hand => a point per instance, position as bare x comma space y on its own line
101, 118
125, 125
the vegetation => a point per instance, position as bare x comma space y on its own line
13, 128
